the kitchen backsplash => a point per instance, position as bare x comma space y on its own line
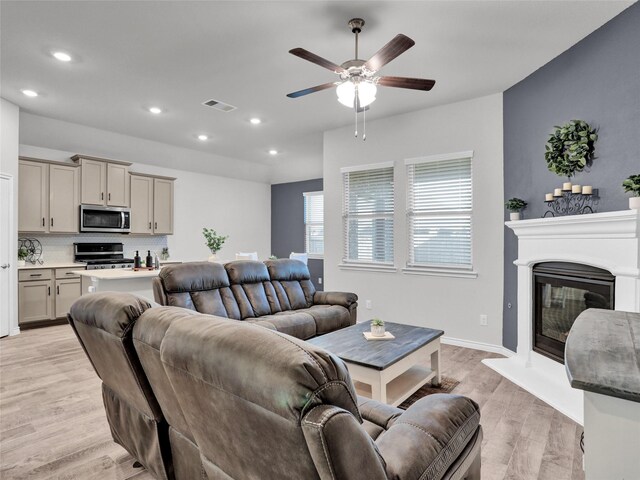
59, 248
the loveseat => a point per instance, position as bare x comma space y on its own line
277, 294
193, 396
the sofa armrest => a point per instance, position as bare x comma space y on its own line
158, 291
345, 299
429, 437
378, 413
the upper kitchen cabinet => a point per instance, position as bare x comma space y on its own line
151, 204
162, 206
48, 196
103, 181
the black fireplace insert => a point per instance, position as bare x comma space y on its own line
561, 292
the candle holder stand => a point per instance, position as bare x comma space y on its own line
570, 203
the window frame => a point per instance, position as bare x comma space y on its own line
445, 270
319, 256
355, 264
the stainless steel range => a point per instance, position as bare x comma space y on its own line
101, 255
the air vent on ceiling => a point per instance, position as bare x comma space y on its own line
218, 105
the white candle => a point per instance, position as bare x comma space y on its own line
548, 197
566, 186
576, 189
557, 192
587, 190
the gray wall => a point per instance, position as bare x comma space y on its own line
596, 80
287, 222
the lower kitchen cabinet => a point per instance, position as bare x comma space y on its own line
46, 294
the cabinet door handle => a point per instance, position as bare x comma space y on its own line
109, 196
101, 195
69, 273
156, 225
149, 225
35, 274
5, 265
52, 221
49, 291
58, 289
43, 221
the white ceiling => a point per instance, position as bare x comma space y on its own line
131, 55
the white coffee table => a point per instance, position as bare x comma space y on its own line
389, 371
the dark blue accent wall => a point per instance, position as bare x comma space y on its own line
596, 80
287, 222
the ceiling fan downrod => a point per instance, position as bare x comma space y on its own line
356, 25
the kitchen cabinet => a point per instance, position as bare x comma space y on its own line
48, 196
151, 204
103, 181
46, 294
33, 196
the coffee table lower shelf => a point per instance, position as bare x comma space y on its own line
400, 388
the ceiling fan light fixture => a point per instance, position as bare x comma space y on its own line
366, 93
346, 93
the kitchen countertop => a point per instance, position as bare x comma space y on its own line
602, 353
117, 273
28, 266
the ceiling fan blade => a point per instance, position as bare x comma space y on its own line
404, 82
309, 90
313, 58
398, 45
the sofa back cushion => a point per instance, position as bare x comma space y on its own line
200, 286
244, 390
251, 287
292, 283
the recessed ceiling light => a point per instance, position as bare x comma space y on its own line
203, 137
155, 110
273, 152
63, 57
29, 93
255, 121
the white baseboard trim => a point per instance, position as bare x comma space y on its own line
485, 347
14, 331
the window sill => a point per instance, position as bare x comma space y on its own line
315, 256
368, 267
440, 272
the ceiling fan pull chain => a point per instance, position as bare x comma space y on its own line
356, 132
364, 125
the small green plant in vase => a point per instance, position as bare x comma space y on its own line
632, 185
23, 253
213, 241
515, 206
377, 327
164, 253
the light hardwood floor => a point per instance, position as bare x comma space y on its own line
52, 423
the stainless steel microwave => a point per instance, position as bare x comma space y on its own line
105, 219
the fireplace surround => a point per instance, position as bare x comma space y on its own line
609, 241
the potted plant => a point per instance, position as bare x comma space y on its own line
23, 253
570, 148
213, 241
377, 327
515, 205
164, 253
632, 184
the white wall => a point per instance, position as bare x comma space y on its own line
9, 127
238, 208
451, 304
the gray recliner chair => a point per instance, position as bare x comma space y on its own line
264, 405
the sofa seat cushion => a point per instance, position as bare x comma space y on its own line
328, 318
295, 323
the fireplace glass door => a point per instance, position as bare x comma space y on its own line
562, 292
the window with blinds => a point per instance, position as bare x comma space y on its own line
368, 207
314, 223
439, 209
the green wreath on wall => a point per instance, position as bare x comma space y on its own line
570, 148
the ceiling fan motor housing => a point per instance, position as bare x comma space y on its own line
356, 24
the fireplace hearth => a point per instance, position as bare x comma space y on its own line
562, 291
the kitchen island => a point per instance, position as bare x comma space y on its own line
118, 280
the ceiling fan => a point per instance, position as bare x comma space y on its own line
357, 85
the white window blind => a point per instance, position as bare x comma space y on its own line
439, 212
314, 223
368, 206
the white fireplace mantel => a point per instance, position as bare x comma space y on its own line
610, 241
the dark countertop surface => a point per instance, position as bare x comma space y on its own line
350, 345
602, 353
